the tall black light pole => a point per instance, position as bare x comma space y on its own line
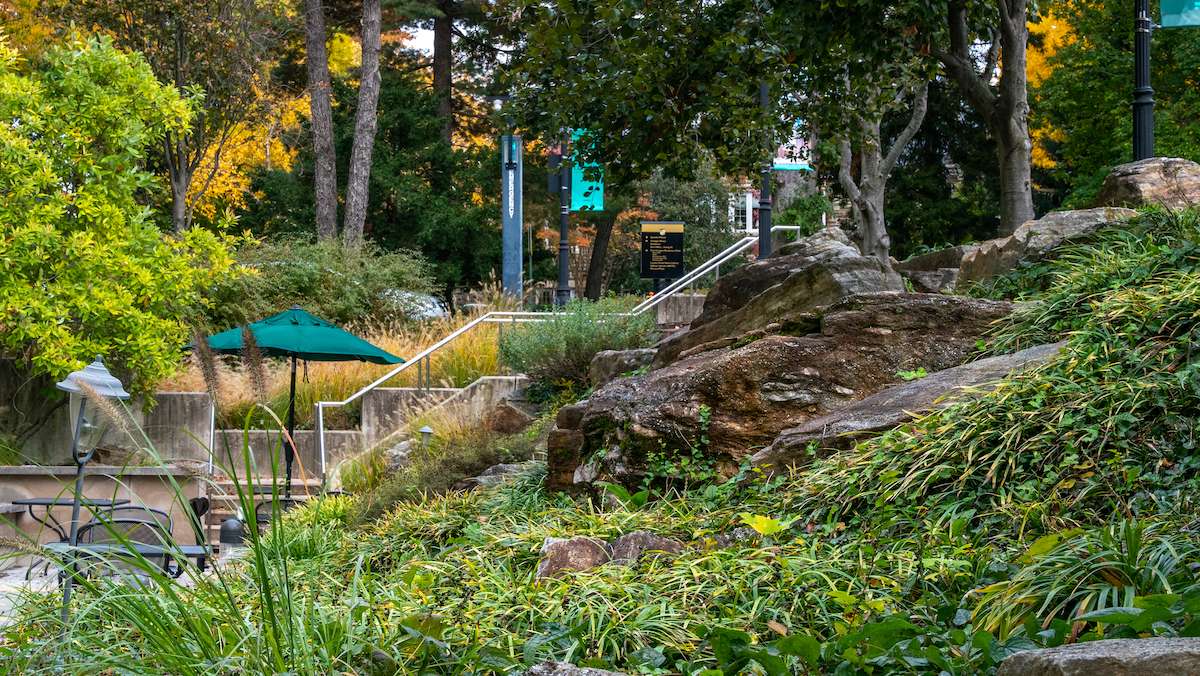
1143, 94
562, 295
764, 195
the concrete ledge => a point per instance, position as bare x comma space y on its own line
98, 470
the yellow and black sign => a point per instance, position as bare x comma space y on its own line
662, 249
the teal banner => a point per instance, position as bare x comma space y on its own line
1180, 13
585, 195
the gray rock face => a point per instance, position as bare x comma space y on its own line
942, 280
568, 669
1118, 657
630, 547
573, 554
608, 365
814, 272
1033, 240
762, 384
1172, 182
897, 404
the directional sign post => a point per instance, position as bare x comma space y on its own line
662, 249
511, 216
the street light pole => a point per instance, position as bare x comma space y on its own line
563, 294
1143, 94
764, 195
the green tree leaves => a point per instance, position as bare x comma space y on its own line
83, 271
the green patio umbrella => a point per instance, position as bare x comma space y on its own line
296, 334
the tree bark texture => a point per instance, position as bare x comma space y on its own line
594, 287
325, 159
443, 66
868, 192
366, 117
1005, 108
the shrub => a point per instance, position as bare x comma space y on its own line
83, 269
335, 282
558, 352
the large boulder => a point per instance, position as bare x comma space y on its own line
1115, 657
1034, 240
730, 401
1172, 182
813, 272
895, 405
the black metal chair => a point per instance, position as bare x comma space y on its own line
137, 512
122, 531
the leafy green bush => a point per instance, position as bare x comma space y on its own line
558, 352
83, 269
335, 282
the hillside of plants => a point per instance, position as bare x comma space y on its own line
1059, 507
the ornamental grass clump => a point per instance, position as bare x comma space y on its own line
556, 353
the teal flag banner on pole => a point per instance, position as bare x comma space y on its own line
1180, 13
585, 195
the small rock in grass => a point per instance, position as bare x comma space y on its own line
629, 548
573, 554
568, 669
1114, 657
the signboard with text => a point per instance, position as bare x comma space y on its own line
1180, 13
662, 249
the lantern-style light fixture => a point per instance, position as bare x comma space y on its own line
88, 424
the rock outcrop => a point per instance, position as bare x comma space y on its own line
895, 405
814, 272
1033, 240
1168, 181
1115, 657
609, 365
733, 399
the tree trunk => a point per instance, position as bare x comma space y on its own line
359, 180
594, 287
324, 156
181, 177
868, 193
1005, 110
443, 64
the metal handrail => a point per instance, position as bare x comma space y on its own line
519, 316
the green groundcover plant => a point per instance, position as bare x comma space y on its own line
1055, 508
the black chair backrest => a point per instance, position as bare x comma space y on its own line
200, 506
137, 513
262, 511
120, 531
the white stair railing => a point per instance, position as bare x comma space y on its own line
421, 360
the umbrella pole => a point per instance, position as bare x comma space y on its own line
290, 453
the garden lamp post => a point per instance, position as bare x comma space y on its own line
88, 425
1143, 93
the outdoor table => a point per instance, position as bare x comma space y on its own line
48, 504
